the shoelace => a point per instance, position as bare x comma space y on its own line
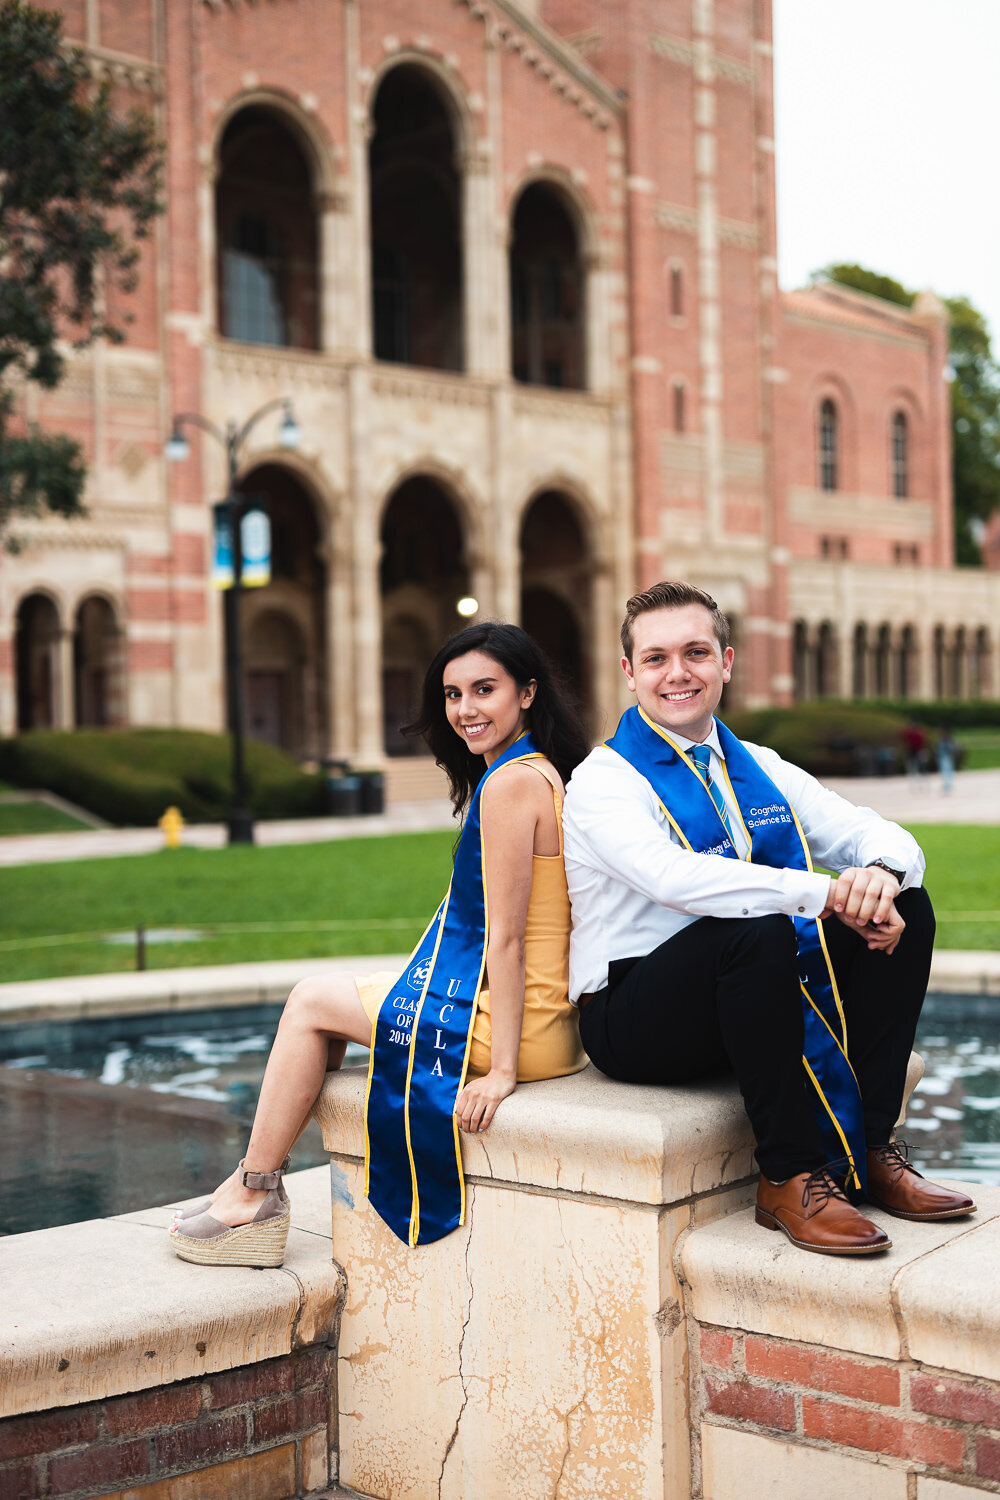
823, 1185
896, 1156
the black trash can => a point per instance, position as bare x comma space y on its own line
343, 796
372, 791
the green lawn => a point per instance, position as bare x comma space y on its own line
983, 747
963, 879
35, 817
372, 895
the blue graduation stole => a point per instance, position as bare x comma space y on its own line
420, 1050
774, 836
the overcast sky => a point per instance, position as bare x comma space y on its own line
887, 142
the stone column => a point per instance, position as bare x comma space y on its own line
604, 652
709, 267
365, 547
62, 680
484, 300
506, 552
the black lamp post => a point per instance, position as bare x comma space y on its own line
232, 439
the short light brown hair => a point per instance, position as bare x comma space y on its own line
672, 596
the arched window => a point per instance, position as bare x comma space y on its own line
416, 242
900, 455
266, 235
676, 292
546, 292
678, 402
36, 658
98, 687
827, 446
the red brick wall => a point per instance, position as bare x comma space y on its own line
925, 1421
255, 1430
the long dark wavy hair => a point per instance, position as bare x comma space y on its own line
552, 718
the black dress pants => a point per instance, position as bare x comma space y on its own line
723, 995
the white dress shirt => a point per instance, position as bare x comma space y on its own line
632, 884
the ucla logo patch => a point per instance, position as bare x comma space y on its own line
417, 977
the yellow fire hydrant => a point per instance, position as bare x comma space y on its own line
172, 824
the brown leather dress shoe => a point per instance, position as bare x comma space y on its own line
899, 1189
814, 1212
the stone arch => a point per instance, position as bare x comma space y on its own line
557, 568
415, 217
284, 623
305, 125
98, 663
37, 665
548, 258
266, 226
423, 572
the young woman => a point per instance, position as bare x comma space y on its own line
487, 687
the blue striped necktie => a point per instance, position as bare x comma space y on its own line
702, 757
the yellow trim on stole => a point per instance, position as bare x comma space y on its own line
371, 1045
842, 1045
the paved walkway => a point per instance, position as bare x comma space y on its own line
105, 843
975, 799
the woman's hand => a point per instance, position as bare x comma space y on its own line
477, 1103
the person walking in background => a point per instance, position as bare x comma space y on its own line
915, 746
493, 973
947, 752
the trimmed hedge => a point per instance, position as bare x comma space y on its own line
958, 713
131, 776
826, 737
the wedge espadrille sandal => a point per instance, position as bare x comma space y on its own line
180, 1214
206, 1241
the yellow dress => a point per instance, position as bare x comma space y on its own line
550, 1033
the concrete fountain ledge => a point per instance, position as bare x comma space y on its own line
127, 1371
611, 1322
202, 988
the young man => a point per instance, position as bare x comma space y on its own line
703, 939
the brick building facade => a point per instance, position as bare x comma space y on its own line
514, 268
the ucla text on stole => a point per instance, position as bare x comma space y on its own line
408, 1006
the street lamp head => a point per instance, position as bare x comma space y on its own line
289, 435
176, 448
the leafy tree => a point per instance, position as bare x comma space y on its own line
975, 405
79, 184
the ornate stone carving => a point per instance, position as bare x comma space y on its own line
676, 216
733, 70
743, 236
672, 47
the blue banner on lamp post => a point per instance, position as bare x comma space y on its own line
223, 563
255, 544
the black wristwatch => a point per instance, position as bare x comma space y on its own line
881, 864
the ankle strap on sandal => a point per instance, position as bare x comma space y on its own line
262, 1181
